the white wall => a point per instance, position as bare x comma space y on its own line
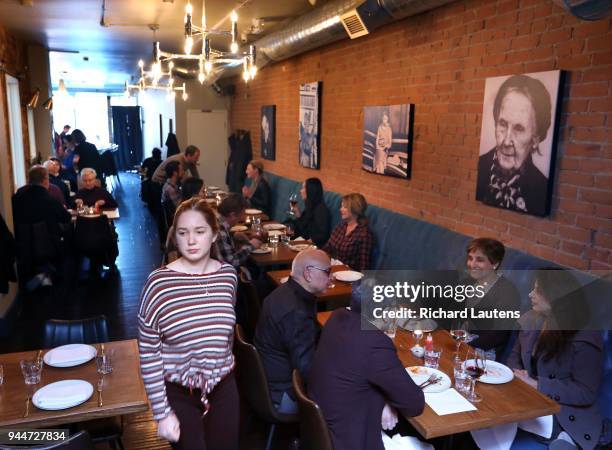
200, 98
153, 104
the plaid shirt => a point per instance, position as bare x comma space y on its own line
353, 250
171, 192
226, 250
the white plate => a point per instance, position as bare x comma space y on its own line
299, 247
262, 251
69, 355
348, 275
274, 226
496, 373
419, 374
239, 228
213, 188
253, 211
62, 395
425, 325
284, 280
275, 233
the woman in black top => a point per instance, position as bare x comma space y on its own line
313, 223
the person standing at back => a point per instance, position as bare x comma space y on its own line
86, 154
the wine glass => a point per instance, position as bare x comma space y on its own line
293, 201
459, 333
475, 368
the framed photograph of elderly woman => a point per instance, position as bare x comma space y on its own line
387, 140
268, 132
518, 141
310, 113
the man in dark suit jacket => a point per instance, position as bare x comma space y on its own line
355, 374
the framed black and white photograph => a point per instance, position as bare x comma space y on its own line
387, 140
268, 132
310, 113
518, 137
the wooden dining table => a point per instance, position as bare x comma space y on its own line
123, 391
514, 401
281, 255
337, 290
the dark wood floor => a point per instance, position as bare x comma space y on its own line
117, 297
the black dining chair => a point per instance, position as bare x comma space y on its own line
314, 434
78, 441
248, 304
92, 330
96, 239
253, 386
109, 167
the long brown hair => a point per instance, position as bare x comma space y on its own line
200, 205
569, 311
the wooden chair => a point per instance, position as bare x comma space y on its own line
92, 330
314, 434
78, 441
253, 386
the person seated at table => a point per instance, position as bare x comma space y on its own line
231, 212
287, 331
91, 194
185, 334
313, 222
39, 221
171, 193
359, 382
558, 357
53, 166
257, 191
147, 169
192, 187
483, 258
352, 241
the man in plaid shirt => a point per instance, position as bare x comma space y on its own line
231, 212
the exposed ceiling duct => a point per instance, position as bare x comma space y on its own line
323, 26
587, 9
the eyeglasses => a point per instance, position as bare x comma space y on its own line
327, 271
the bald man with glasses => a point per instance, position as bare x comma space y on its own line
287, 331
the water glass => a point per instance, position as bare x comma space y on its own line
104, 363
285, 239
390, 323
273, 240
462, 379
432, 357
31, 370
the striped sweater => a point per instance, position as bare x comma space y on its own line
185, 332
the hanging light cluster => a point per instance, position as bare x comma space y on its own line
155, 75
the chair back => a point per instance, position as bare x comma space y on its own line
253, 383
168, 210
248, 305
92, 330
108, 164
95, 238
314, 434
78, 441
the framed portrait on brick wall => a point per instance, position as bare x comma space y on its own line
387, 140
310, 126
268, 132
518, 141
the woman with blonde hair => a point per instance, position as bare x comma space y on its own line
185, 332
352, 241
258, 191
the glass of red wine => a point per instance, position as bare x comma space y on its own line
475, 368
293, 201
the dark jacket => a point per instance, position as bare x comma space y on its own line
91, 196
33, 204
241, 152
286, 335
89, 157
495, 333
354, 373
534, 185
262, 197
59, 182
7, 257
314, 224
572, 379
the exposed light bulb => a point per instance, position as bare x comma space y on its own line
253, 71
245, 76
188, 44
207, 66
140, 63
171, 65
185, 96
201, 77
234, 16
234, 47
189, 9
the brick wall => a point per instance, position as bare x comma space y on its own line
439, 61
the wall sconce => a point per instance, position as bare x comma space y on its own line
34, 99
48, 104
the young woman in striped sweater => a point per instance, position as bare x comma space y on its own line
186, 330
